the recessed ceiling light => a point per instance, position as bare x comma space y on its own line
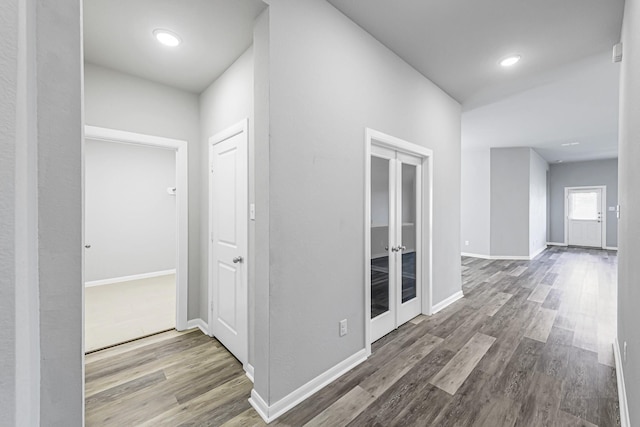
167, 37
510, 60
559, 161
569, 144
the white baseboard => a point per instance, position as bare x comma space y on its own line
270, 413
129, 278
504, 257
447, 302
556, 244
476, 255
198, 323
611, 248
622, 392
538, 252
248, 369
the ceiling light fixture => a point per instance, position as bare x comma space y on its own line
510, 60
570, 144
167, 37
559, 161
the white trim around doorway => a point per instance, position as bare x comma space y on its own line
603, 209
373, 137
182, 202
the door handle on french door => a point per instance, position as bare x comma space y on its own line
402, 248
237, 259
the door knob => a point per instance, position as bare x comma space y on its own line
237, 259
402, 248
87, 246
386, 248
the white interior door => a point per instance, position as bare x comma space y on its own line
396, 210
228, 216
585, 217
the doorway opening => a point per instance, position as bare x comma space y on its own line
398, 234
585, 216
135, 236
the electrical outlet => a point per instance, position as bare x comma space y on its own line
466, 243
343, 327
624, 352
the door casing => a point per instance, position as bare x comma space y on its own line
182, 204
373, 137
603, 209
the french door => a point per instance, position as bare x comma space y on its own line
396, 212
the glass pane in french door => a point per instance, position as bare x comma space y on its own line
379, 236
409, 213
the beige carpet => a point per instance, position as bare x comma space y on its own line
124, 311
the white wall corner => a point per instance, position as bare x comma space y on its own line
622, 393
270, 413
447, 302
198, 323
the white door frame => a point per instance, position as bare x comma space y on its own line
238, 128
182, 202
603, 209
373, 137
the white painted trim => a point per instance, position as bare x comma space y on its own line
556, 244
538, 252
475, 255
373, 137
447, 302
270, 413
260, 406
129, 278
198, 323
511, 257
182, 202
504, 257
622, 391
242, 127
249, 371
603, 210
611, 248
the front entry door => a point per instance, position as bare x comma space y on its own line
396, 210
228, 224
585, 217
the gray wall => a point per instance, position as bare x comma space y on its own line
120, 101
582, 174
130, 219
510, 201
8, 146
40, 251
329, 81
538, 168
228, 100
629, 224
476, 201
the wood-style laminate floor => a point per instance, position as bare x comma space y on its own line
529, 345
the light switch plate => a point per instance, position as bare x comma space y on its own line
252, 211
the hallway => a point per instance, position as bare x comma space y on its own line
530, 344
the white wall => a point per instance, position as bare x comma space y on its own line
629, 224
538, 168
130, 219
329, 81
476, 201
227, 101
510, 201
120, 101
